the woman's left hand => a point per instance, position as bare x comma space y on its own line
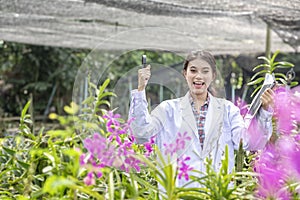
267, 99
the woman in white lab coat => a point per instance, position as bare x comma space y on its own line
210, 122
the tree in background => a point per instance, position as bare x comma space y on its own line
45, 72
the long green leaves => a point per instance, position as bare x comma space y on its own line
223, 184
48, 166
270, 66
45, 165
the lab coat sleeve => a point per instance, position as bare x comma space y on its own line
264, 118
237, 125
144, 125
256, 136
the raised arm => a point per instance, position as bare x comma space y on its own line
144, 125
259, 131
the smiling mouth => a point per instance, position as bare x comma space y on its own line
198, 83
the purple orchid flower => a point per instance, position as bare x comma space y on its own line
181, 139
242, 105
149, 146
183, 168
102, 152
284, 110
89, 179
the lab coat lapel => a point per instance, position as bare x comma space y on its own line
213, 124
187, 113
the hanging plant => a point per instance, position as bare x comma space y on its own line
269, 67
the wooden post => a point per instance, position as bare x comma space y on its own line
268, 42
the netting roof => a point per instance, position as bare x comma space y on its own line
221, 26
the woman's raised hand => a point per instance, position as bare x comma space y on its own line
143, 77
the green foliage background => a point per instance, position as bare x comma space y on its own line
42, 163
46, 75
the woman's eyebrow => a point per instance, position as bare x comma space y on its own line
205, 68
199, 67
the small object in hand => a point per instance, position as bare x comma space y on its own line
144, 63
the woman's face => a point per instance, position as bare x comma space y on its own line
199, 76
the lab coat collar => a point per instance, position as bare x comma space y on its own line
213, 124
187, 113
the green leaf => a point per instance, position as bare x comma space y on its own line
284, 63
256, 90
92, 85
71, 152
72, 109
281, 75
4, 195
283, 66
24, 111
28, 121
155, 168
50, 157
40, 177
134, 186
47, 169
103, 86
9, 151
240, 157
74, 165
294, 83
86, 110
21, 197
261, 66
102, 102
111, 187
7, 171
36, 194
26, 130
264, 58
145, 183
257, 81
106, 94
281, 80
59, 133
259, 73
56, 184
274, 56
224, 168
89, 100
24, 164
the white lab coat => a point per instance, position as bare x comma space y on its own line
223, 126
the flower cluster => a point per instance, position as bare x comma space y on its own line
149, 146
278, 164
179, 144
114, 151
116, 128
172, 148
101, 152
183, 167
287, 109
